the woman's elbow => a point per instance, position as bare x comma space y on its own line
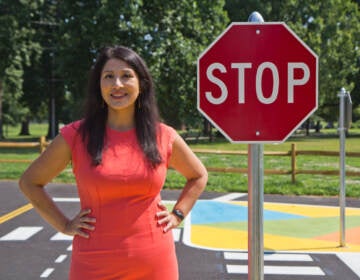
204, 178
23, 183
26, 184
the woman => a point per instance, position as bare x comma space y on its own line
120, 153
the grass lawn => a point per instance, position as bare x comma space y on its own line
327, 185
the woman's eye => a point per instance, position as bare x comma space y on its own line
127, 75
108, 76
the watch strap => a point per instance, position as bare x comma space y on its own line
179, 214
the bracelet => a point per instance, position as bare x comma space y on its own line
179, 214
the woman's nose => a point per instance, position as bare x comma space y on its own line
118, 82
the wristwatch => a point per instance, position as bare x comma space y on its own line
179, 214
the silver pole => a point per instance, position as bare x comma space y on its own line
342, 195
255, 201
255, 212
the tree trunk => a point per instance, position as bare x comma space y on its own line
53, 122
25, 127
205, 126
307, 127
207, 129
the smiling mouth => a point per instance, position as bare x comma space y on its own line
118, 95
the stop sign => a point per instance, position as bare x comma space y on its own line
257, 82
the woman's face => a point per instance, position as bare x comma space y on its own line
119, 83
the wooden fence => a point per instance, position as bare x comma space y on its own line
41, 145
293, 153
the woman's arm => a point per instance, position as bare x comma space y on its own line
48, 165
186, 163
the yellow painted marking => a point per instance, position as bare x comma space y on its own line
284, 243
15, 213
229, 239
213, 237
313, 211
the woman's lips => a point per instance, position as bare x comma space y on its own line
118, 95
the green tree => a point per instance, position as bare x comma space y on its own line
67, 35
169, 35
179, 33
239, 10
85, 27
50, 92
44, 90
331, 28
355, 93
16, 48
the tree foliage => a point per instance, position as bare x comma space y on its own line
331, 28
179, 33
48, 46
17, 46
168, 34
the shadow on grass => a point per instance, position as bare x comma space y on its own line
19, 139
20, 151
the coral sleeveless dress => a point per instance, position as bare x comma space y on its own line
123, 195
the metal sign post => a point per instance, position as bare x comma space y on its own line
255, 212
342, 195
255, 201
343, 104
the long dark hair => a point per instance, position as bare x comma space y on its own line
93, 127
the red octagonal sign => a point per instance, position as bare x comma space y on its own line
257, 82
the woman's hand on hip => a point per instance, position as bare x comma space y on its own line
81, 224
166, 219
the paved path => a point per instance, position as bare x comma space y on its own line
300, 239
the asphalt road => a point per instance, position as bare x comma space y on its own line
31, 249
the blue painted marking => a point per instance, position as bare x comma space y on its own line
207, 212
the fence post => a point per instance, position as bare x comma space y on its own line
42, 144
293, 163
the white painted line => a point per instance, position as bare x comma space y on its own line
168, 201
60, 258
288, 257
235, 256
21, 234
279, 270
69, 248
47, 273
271, 257
66, 199
239, 269
294, 270
61, 237
230, 196
187, 231
176, 233
352, 260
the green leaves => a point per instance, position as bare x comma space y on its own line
332, 30
17, 47
168, 34
47, 47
